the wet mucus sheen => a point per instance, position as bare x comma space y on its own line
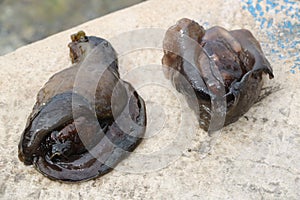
216, 64
76, 132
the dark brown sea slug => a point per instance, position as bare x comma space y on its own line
86, 119
224, 70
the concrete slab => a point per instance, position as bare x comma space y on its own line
254, 158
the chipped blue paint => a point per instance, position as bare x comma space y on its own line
258, 7
284, 32
275, 51
249, 2
291, 2
288, 25
206, 25
272, 4
261, 13
270, 23
252, 10
294, 45
277, 11
297, 14
263, 23
282, 7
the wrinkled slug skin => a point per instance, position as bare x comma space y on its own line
196, 58
86, 119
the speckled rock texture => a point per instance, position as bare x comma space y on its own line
255, 158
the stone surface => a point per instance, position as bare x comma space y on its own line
254, 158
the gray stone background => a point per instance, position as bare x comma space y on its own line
255, 158
26, 21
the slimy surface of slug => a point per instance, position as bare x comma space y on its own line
75, 133
216, 63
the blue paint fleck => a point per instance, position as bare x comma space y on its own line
282, 7
283, 33
282, 56
291, 2
280, 44
272, 4
258, 7
274, 51
206, 24
261, 13
263, 23
249, 2
288, 25
252, 11
297, 15
294, 45
270, 22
